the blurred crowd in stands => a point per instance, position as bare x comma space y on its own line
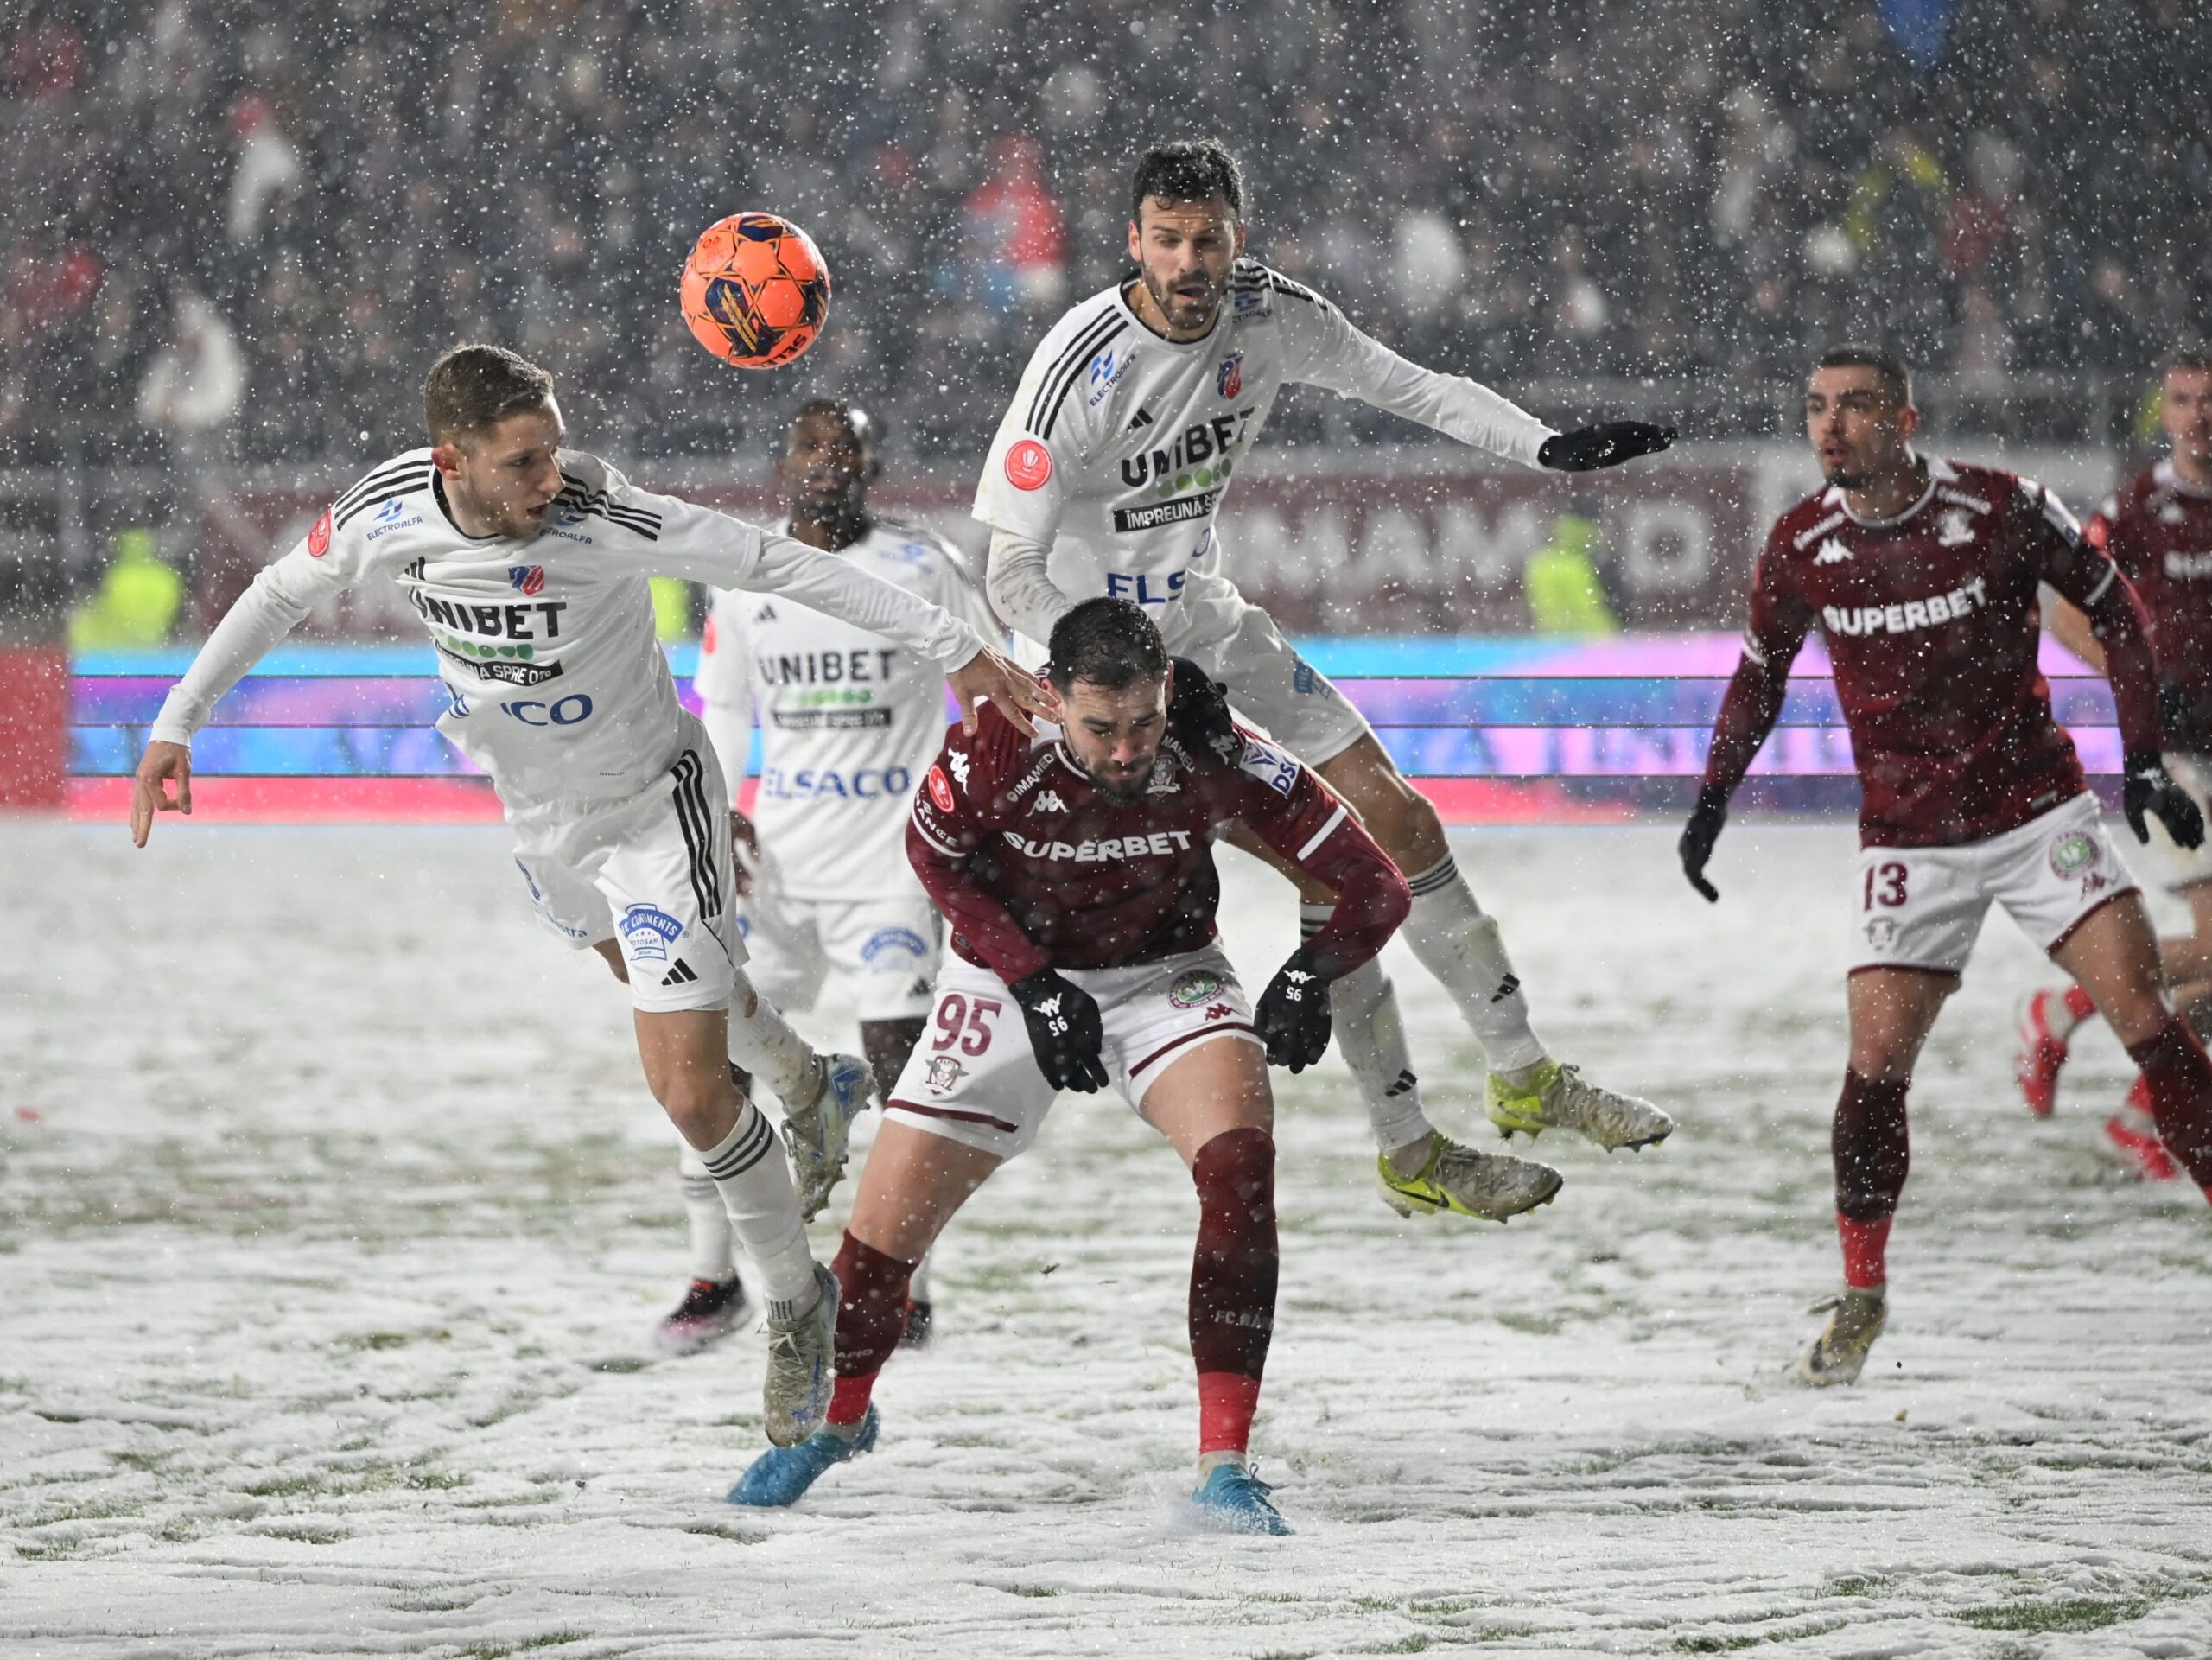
237, 231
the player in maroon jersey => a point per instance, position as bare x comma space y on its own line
1076, 877
2158, 529
1923, 575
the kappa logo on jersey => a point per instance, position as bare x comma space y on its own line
1952, 530
1219, 1012
1265, 762
319, 537
903, 941
1832, 552
1028, 465
1194, 988
1048, 801
1228, 379
1114, 849
527, 579
1909, 617
958, 764
649, 931
940, 790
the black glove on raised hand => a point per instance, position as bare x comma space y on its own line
2147, 787
1698, 836
1607, 445
1293, 1018
1064, 1030
1198, 713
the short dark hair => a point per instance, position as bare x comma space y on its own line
859, 421
1195, 170
473, 387
1106, 643
2188, 354
1897, 379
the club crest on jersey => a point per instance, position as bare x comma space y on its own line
527, 579
319, 537
1882, 932
945, 1074
1194, 988
2072, 855
1028, 465
649, 931
1952, 529
1228, 379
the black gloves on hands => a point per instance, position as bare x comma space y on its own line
1064, 1030
1607, 445
1198, 713
1293, 1018
2148, 788
1698, 836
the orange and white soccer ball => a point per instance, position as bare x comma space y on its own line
755, 291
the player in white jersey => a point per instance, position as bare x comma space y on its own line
529, 567
1106, 477
849, 724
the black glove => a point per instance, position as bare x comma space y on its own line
1607, 445
1293, 1018
1698, 837
1198, 713
2149, 788
2174, 714
1064, 1030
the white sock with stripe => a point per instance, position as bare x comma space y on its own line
1460, 945
712, 1246
1363, 1012
747, 1168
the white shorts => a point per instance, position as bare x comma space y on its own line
973, 1078
654, 871
887, 949
1271, 683
2178, 866
1921, 907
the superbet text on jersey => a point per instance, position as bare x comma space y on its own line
1933, 629
2159, 530
1120, 443
848, 721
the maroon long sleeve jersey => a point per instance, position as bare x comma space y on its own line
1933, 629
2158, 529
1035, 866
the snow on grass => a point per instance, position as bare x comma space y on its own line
334, 1218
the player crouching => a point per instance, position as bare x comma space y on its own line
1077, 877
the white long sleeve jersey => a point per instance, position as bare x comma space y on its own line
1119, 447
556, 685
849, 722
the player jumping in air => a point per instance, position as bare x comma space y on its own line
2158, 529
1921, 575
527, 565
849, 722
1106, 479
1077, 876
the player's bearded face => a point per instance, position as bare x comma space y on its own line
501, 481
1185, 251
1857, 427
1114, 734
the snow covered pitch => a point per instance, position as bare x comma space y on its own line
334, 1216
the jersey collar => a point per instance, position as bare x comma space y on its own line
438, 495
2168, 479
1940, 471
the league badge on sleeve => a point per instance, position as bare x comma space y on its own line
319, 537
1028, 465
940, 789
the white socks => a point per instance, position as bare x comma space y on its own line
917, 1282
711, 1244
1455, 942
1363, 1009
748, 1168
762, 1041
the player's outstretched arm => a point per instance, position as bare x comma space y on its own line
989, 677
1606, 444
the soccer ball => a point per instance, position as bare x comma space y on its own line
756, 291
